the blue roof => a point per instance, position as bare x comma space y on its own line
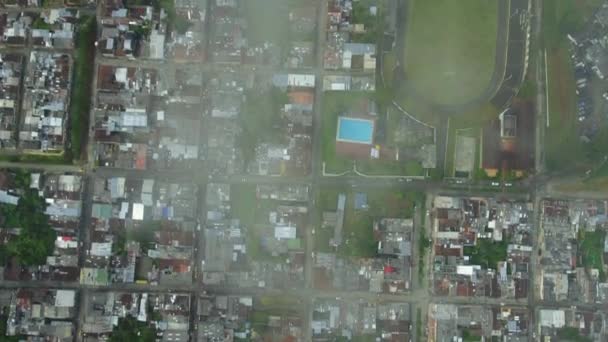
360, 200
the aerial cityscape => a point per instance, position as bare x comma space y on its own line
304, 170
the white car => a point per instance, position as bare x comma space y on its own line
495, 184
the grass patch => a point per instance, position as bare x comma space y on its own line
389, 62
267, 306
80, 105
358, 239
572, 334
253, 215
487, 253
334, 105
259, 28
592, 251
467, 336
365, 338
561, 17
563, 148
322, 237
450, 53
262, 120
372, 23
418, 325
470, 124
423, 245
243, 202
49, 159
390, 168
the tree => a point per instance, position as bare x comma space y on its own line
129, 329
182, 25
36, 239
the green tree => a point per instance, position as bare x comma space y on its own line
130, 329
36, 239
182, 25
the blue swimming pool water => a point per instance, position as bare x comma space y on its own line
355, 130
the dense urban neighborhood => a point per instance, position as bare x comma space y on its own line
303, 170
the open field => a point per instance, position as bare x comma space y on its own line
563, 148
260, 28
469, 124
335, 104
243, 203
451, 47
358, 224
592, 250
81, 95
562, 144
341, 103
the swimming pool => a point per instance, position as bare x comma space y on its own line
355, 130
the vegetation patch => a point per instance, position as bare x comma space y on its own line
36, 239
564, 151
592, 251
358, 238
243, 203
130, 329
487, 253
449, 52
571, 334
80, 105
261, 120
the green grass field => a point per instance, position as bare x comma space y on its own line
81, 94
563, 148
339, 103
243, 203
592, 249
358, 224
335, 104
471, 122
260, 29
450, 48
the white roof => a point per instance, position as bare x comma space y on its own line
121, 75
8, 199
35, 181
117, 187
65, 298
157, 45
138, 211
148, 185
467, 270
552, 318
301, 80
284, 232
6, 103
133, 119
60, 242
101, 249
448, 235
124, 207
